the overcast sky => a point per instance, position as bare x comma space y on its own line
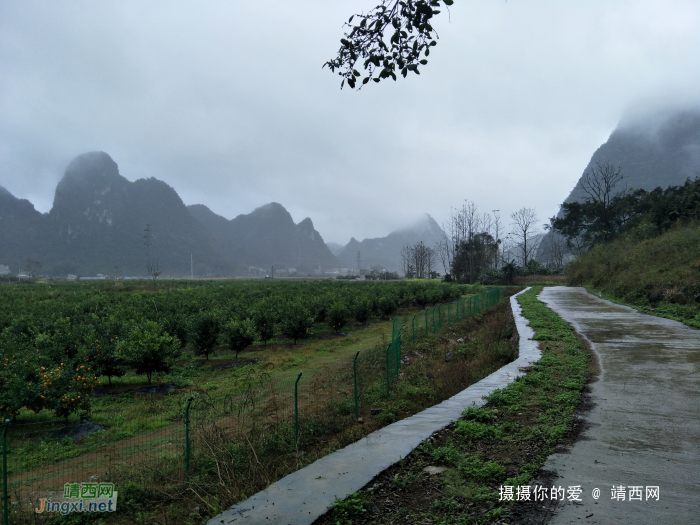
227, 102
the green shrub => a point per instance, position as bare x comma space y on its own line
264, 320
204, 333
352, 506
481, 415
338, 315
239, 335
447, 506
478, 470
296, 321
148, 350
475, 431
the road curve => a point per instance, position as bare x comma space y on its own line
644, 429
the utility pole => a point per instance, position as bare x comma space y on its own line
149, 241
272, 273
497, 223
359, 262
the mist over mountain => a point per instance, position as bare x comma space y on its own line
662, 149
657, 149
268, 237
335, 248
21, 230
386, 251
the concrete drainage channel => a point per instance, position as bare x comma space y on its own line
300, 498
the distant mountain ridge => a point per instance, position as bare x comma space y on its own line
268, 237
97, 223
386, 251
98, 220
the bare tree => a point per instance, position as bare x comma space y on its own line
417, 260
497, 229
32, 267
599, 182
407, 261
555, 250
524, 235
153, 270
376, 269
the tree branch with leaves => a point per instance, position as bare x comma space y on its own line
406, 24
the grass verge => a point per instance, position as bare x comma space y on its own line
659, 276
503, 443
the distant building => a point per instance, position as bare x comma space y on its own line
72, 277
4, 270
98, 277
340, 271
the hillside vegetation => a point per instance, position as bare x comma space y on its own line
660, 275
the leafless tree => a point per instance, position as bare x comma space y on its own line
524, 234
555, 250
599, 182
376, 269
33, 267
417, 260
497, 229
153, 270
407, 263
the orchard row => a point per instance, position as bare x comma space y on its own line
57, 341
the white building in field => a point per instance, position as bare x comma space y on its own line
4, 270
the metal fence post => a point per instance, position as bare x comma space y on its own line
388, 371
397, 349
5, 510
296, 409
354, 375
187, 439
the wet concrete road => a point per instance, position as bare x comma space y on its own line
645, 425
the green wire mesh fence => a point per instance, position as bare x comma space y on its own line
163, 438
444, 314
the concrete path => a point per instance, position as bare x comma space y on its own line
301, 497
645, 425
